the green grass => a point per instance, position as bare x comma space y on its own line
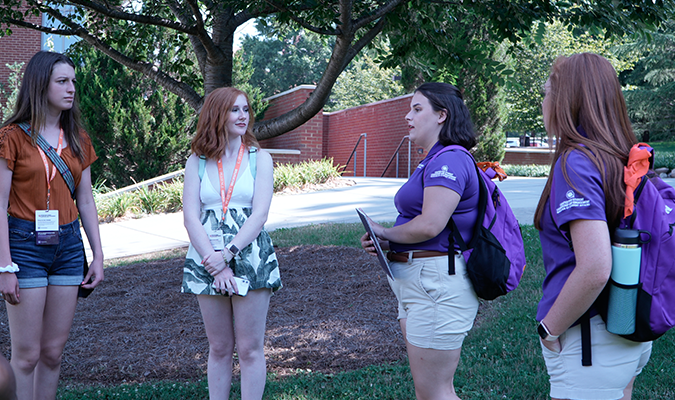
325, 235
501, 357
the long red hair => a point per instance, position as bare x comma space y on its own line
585, 91
212, 136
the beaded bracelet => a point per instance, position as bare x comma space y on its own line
10, 268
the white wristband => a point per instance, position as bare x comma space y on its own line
10, 268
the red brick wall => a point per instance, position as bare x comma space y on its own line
335, 135
528, 157
308, 138
384, 124
20, 46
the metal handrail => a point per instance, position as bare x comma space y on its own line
365, 153
395, 155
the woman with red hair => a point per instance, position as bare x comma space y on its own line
226, 199
583, 202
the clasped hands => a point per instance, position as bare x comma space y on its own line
216, 264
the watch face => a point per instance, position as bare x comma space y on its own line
542, 331
234, 249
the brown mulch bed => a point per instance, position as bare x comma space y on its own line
335, 313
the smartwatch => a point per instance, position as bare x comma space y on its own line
544, 334
232, 249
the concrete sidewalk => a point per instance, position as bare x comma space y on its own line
166, 231
374, 195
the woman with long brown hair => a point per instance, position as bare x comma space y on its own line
226, 199
581, 204
41, 252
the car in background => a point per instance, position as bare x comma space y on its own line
512, 142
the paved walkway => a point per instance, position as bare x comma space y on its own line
374, 195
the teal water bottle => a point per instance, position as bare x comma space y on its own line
625, 279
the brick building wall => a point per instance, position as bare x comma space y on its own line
20, 46
384, 126
308, 138
335, 135
528, 156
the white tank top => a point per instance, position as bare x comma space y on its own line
242, 195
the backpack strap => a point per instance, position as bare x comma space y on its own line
252, 159
455, 234
202, 166
586, 356
54, 157
482, 207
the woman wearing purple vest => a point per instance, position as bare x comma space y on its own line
583, 202
435, 309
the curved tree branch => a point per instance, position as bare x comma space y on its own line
206, 43
294, 118
151, 71
321, 31
125, 16
363, 41
40, 28
379, 13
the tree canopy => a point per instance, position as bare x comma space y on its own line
651, 84
201, 33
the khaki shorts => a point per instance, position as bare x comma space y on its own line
615, 362
439, 308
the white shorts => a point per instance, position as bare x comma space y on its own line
615, 362
439, 308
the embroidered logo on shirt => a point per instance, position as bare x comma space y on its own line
668, 210
443, 172
572, 202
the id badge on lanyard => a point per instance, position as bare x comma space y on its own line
216, 237
47, 221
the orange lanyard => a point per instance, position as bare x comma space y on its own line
225, 196
44, 160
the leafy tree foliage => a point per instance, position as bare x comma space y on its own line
202, 31
140, 132
365, 82
651, 96
281, 61
531, 62
11, 92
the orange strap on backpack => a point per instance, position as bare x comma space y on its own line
499, 172
638, 166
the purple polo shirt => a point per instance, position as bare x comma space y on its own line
582, 198
452, 169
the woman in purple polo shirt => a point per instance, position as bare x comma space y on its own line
436, 310
583, 202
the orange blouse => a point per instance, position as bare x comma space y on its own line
29, 182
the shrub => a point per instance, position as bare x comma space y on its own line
168, 196
526, 170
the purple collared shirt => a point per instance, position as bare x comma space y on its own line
452, 169
582, 198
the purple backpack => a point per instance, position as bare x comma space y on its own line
654, 212
495, 256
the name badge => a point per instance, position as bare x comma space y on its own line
216, 239
46, 227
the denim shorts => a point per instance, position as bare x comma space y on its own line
439, 308
60, 264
